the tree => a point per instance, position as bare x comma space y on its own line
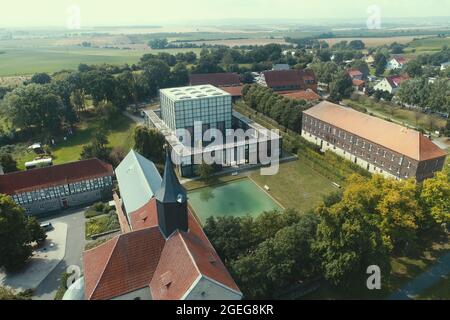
439, 96
205, 171
356, 45
17, 233
179, 75
341, 87
149, 143
348, 238
8, 163
380, 63
98, 148
414, 68
100, 85
436, 196
362, 66
325, 72
35, 106
41, 78
155, 75
247, 77
279, 261
158, 43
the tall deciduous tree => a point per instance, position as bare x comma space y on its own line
149, 143
17, 233
98, 148
35, 106
8, 163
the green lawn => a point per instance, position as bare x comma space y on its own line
296, 185
70, 150
403, 116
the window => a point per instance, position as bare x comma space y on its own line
370, 147
384, 154
364, 145
409, 164
393, 158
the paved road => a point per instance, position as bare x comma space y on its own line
424, 281
74, 248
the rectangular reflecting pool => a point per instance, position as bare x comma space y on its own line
237, 198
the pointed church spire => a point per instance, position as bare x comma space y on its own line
171, 201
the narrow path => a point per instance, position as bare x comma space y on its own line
417, 286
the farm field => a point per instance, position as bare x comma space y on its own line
243, 42
374, 41
428, 44
26, 57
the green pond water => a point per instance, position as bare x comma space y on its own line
237, 198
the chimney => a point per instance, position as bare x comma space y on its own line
171, 201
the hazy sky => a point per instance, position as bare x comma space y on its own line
26, 13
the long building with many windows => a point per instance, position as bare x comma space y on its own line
58, 187
379, 146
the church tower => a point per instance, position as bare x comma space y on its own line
171, 201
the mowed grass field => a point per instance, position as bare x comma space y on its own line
295, 186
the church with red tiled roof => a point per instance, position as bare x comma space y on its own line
162, 253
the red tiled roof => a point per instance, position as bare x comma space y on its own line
281, 78
234, 91
307, 95
357, 82
395, 80
123, 264
408, 142
215, 79
193, 257
354, 72
54, 175
144, 217
177, 261
401, 60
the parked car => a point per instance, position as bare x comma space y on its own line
47, 226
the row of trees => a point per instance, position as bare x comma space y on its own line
285, 111
420, 92
372, 220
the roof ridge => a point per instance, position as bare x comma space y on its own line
146, 185
106, 264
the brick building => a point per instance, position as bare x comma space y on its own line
283, 80
377, 145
